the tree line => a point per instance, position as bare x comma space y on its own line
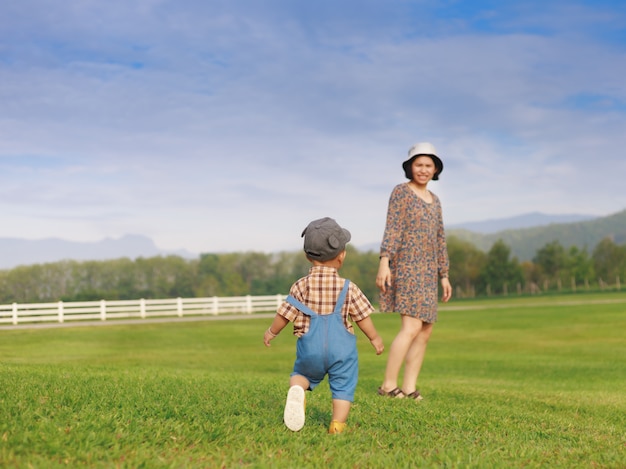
472, 272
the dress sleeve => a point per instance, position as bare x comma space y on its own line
392, 238
442, 247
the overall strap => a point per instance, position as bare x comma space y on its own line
309, 312
342, 298
301, 306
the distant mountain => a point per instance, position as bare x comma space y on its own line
15, 252
528, 220
582, 231
525, 242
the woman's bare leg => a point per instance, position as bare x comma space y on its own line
415, 358
399, 349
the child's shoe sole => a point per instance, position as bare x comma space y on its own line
294, 409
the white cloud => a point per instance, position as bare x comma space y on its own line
230, 126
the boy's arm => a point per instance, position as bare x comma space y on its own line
278, 325
367, 326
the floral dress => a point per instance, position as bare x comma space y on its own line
415, 243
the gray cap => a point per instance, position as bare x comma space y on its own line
324, 239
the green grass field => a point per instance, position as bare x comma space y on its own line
536, 382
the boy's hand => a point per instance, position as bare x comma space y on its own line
377, 343
267, 338
272, 332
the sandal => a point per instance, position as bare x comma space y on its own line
415, 395
396, 392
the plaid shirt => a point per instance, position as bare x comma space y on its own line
319, 290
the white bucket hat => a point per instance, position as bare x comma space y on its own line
423, 149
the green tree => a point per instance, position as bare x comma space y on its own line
255, 268
361, 268
466, 263
500, 271
220, 275
207, 283
609, 260
551, 258
286, 267
580, 265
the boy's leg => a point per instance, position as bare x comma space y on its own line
299, 380
295, 405
341, 409
343, 376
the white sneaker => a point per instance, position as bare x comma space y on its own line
294, 408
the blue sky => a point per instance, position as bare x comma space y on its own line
217, 126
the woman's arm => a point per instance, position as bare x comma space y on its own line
443, 260
391, 238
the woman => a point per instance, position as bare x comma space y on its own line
413, 256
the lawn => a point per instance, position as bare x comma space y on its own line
534, 382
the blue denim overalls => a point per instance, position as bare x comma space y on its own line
327, 348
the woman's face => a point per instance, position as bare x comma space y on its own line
423, 168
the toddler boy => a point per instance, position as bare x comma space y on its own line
321, 306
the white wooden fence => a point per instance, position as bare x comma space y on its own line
122, 309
